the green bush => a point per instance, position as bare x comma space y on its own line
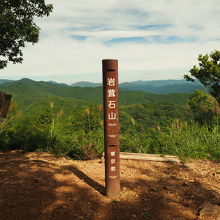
79, 134
192, 141
138, 143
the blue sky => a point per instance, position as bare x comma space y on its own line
153, 39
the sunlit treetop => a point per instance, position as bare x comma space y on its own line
208, 73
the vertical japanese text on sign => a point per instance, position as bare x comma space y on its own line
111, 127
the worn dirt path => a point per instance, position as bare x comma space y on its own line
42, 186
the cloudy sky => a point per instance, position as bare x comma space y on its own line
152, 39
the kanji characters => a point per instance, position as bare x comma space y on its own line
111, 104
112, 116
113, 153
111, 93
111, 81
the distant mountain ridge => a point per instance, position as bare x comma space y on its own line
25, 92
4, 81
56, 83
159, 82
86, 84
163, 86
153, 86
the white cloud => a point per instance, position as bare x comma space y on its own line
57, 54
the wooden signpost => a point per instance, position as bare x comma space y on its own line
5, 100
111, 127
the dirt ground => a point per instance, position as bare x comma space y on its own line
42, 186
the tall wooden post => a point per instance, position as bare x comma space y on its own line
111, 127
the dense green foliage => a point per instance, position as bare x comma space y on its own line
208, 73
27, 90
17, 27
53, 118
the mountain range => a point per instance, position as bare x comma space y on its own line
28, 93
154, 86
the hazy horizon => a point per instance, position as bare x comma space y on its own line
52, 80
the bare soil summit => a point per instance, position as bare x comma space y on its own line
44, 187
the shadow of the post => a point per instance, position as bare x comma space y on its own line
97, 186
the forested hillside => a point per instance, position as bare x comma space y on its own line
26, 89
66, 120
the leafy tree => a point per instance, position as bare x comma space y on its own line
204, 107
208, 73
17, 27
